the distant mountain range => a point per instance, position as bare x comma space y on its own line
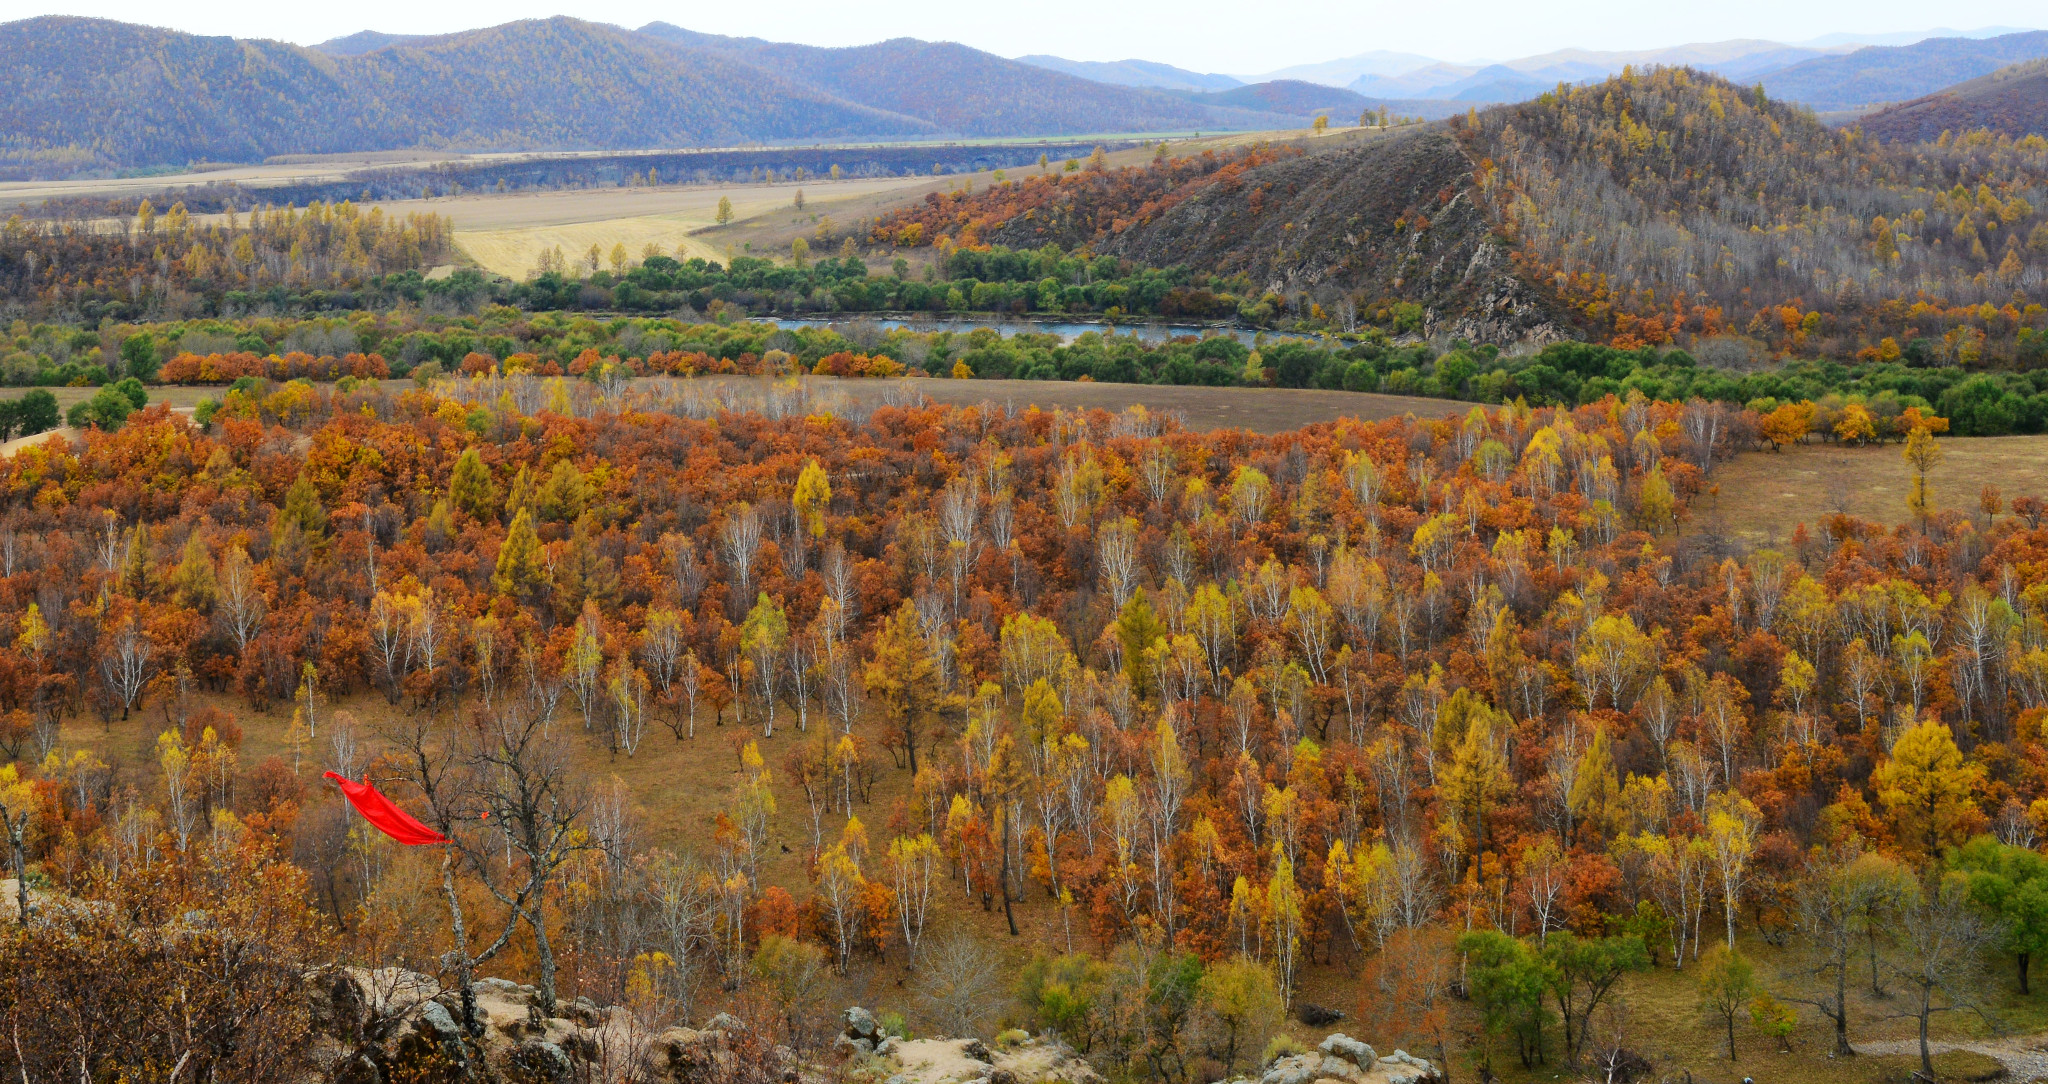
2012, 101
81, 95
1835, 72
1881, 75
94, 96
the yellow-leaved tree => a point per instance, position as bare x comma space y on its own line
1929, 790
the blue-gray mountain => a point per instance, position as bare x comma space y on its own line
89, 95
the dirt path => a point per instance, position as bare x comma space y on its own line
69, 434
2022, 1055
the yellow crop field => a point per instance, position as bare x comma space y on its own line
507, 233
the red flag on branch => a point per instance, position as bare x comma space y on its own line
389, 819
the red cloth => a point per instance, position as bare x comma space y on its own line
380, 811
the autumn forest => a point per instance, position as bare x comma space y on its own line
1557, 592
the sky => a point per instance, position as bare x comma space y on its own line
1204, 35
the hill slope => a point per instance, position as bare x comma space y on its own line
89, 94
1293, 97
2012, 101
1882, 74
952, 87
1668, 206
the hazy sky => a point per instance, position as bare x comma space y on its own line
1200, 34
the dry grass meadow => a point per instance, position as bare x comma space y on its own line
507, 233
1762, 497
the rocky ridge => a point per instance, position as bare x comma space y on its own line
387, 1025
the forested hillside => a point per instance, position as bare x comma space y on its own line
2010, 101
1669, 201
1354, 231
958, 89
82, 94
1652, 208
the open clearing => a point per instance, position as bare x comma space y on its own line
507, 233
1762, 497
1261, 410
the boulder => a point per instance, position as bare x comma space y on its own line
861, 1024
1336, 1068
1294, 1069
846, 1046
1401, 1067
537, 1062
1350, 1049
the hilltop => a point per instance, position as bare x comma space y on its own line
2012, 101
1667, 206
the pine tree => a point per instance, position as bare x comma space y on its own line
1929, 789
472, 489
519, 572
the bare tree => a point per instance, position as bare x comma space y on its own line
961, 981
1116, 546
1942, 942
524, 785
740, 540
240, 608
432, 762
127, 658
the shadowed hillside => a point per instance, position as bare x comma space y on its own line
955, 88
2011, 101
1881, 74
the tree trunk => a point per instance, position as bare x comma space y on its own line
1842, 1047
464, 966
1926, 1058
537, 918
1008, 916
2024, 959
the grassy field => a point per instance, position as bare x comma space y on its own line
1762, 497
507, 233
178, 397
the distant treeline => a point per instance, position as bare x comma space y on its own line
175, 263
586, 171
996, 280
424, 345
